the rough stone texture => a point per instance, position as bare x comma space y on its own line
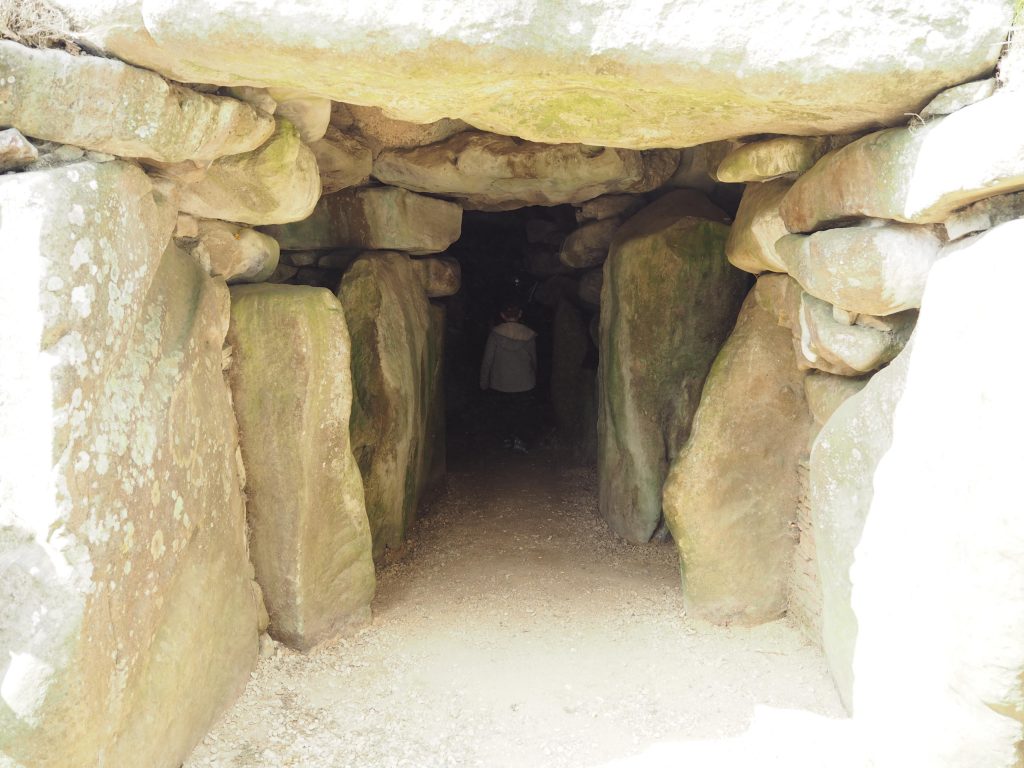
985, 215
850, 349
958, 97
574, 383
106, 105
698, 166
121, 510
343, 160
843, 460
495, 173
633, 74
440, 277
380, 132
276, 183
919, 174
375, 218
607, 206
256, 97
292, 387
238, 254
937, 583
669, 301
731, 495
435, 461
781, 156
590, 287
389, 320
588, 245
781, 295
871, 269
309, 114
15, 150
825, 392
758, 226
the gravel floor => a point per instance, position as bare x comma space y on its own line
516, 631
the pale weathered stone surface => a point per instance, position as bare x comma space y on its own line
389, 321
121, 511
15, 150
607, 206
588, 245
634, 74
958, 97
919, 174
668, 303
758, 226
440, 276
375, 218
872, 269
843, 460
771, 158
938, 588
731, 495
984, 215
781, 296
590, 287
106, 105
850, 350
379, 132
825, 392
274, 184
292, 386
309, 114
574, 382
238, 254
256, 97
343, 160
491, 172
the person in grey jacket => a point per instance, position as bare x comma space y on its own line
509, 368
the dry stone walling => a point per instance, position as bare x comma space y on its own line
187, 466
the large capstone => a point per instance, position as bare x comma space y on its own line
731, 496
493, 173
375, 218
668, 303
130, 618
292, 384
672, 73
389, 321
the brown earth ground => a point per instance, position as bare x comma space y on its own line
517, 631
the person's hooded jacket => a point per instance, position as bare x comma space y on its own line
510, 359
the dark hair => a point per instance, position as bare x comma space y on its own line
511, 310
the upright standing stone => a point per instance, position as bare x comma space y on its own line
668, 303
292, 386
731, 496
389, 320
574, 382
129, 618
435, 465
938, 581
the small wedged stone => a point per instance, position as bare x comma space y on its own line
375, 218
119, 109
389, 319
608, 206
958, 97
343, 161
780, 295
825, 392
15, 150
772, 158
919, 174
850, 350
440, 276
588, 246
237, 254
274, 184
731, 495
259, 98
758, 226
668, 303
309, 114
379, 132
871, 269
985, 215
590, 285
494, 173
292, 392
698, 165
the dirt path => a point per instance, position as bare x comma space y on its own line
516, 632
